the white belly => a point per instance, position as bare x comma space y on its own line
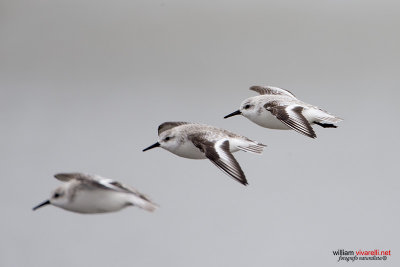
97, 201
267, 120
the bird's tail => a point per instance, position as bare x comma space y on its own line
252, 146
323, 116
144, 203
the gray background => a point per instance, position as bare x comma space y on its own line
84, 85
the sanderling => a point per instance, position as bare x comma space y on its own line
277, 108
84, 193
197, 141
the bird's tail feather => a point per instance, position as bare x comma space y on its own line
329, 119
256, 148
323, 116
144, 204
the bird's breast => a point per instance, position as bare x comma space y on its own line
188, 150
267, 120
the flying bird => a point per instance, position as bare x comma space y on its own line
276, 108
85, 193
197, 141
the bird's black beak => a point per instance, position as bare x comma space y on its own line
47, 202
237, 112
152, 146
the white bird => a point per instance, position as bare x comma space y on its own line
197, 141
84, 193
276, 108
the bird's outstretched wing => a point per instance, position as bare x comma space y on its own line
292, 116
271, 90
219, 154
65, 177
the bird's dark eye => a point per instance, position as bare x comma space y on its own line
167, 138
247, 106
56, 195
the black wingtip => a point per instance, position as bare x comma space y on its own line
325, 125
243, 179
243, 182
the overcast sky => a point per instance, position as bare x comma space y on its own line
85, 84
